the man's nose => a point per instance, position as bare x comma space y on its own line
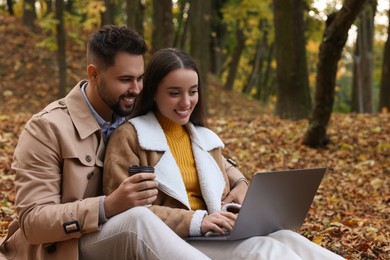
135, 87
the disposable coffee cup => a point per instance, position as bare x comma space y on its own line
133, 169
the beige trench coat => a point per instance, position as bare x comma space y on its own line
58, 164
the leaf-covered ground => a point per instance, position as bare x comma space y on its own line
350, 214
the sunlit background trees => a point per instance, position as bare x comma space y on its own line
300, 58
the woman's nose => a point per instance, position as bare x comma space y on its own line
185, 101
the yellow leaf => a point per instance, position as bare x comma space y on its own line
376, 183
317, 239
7, 93
4, 117
376, 129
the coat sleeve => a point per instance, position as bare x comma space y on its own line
38, 165
232, 172
179, 220
122, 149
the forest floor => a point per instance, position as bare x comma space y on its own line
350, 214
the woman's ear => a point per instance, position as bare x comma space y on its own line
92, 73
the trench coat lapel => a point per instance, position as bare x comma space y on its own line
80, 113
84, 121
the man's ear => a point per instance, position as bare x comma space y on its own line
92, 73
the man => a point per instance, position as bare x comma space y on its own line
58, 164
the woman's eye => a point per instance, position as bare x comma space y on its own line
193, 92
174, 94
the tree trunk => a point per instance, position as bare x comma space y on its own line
29, 14
61, 51
49, 7
258, 85
253, 77
384, 96
162, 34
233, 66
135, 15
218, 39
184, 34
256, 76
182, 21
69, 7
362, 101
293, 93
269, 88
200, 40
109, 15
334, 38
10, 7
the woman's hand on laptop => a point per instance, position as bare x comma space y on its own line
218, 222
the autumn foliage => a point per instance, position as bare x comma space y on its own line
350, 214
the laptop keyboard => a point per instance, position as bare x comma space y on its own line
215, 234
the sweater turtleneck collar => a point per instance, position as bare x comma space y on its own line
168, 125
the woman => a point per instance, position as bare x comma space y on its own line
168, 132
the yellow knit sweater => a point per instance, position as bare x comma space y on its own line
180, 144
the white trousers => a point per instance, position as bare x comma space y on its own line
136, 234
139, 234
283, 244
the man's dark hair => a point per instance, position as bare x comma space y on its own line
106, 43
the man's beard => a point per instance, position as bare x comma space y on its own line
118, 110
114, 105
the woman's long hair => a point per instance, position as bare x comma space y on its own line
160, 65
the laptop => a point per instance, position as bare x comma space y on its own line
275, 200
